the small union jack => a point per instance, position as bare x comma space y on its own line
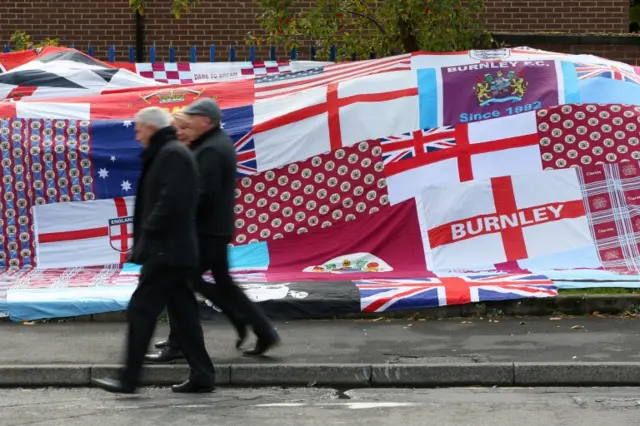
586, 71
412, 144
246, 155
400, 294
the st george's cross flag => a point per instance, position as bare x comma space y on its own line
338, 114
503, 219
100, 233
447, 155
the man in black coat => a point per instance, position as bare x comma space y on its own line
165, 244
216, 158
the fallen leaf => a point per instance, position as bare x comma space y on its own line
576, 327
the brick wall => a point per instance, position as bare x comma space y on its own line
223, 23
558, 15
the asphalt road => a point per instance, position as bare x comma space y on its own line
310, 406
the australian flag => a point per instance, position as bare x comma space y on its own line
115, 155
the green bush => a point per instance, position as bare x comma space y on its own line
20, 40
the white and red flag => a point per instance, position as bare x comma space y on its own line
100, 233
334, 115
443, 156
502, 219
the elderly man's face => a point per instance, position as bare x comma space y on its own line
144, 132
181, 130
198, 125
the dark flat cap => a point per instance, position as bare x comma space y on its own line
205, 107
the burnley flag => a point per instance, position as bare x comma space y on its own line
502, 219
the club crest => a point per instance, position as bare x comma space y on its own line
501, 87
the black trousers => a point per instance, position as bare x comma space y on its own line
225, 294
163, 286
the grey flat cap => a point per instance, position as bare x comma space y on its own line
205, 107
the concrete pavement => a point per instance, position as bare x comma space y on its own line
313, 407
349, 353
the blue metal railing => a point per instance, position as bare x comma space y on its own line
193, 53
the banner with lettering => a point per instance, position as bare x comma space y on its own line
503, 219
481, 91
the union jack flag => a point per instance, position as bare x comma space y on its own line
586, 71
412, 144
400, 294
246, 155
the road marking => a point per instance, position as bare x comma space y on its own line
282, 404
365, 405
349, 405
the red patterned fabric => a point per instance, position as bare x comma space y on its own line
318, 192
611, 194
579, 135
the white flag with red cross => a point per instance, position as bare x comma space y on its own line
446, 155
502, 219
85, 233
334, 113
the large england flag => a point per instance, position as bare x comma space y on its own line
320, 119
503, 219
443, 156
100, 233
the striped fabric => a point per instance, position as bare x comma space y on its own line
611, 194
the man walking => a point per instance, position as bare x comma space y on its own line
216, 159
180, 122
164, 233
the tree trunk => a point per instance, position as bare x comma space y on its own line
407, 38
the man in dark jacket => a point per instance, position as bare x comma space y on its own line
165, 244
216, 158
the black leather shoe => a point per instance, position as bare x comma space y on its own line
262, 346
112, 385
242, 337
167, 354
161, 344
190, 387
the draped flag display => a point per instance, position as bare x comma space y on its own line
443, 156
611, 194
58, 72
413, 181
504, 219
102, 233
389, 295
492, 89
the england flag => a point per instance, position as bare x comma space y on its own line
502, 219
